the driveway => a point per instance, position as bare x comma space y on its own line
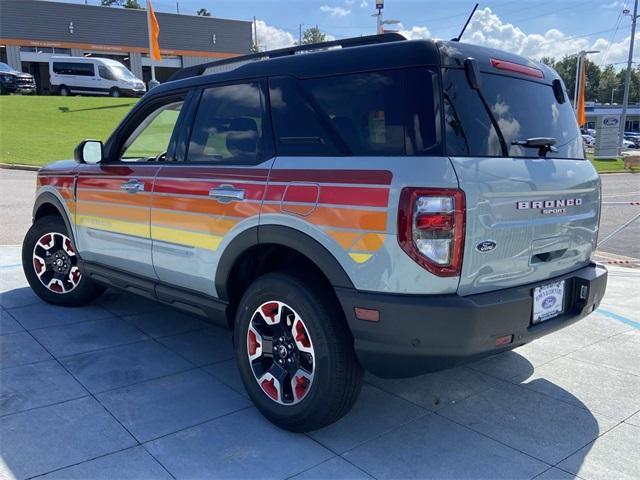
126, 388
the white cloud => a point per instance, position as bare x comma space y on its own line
335, 11
487, 29
612, 5
270, 38
364, 4
415, 33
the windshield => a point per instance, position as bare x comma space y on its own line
5, 68
122, 72
522, 109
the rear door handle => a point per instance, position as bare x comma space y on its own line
133, 186
227, 193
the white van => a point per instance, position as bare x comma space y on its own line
94, 76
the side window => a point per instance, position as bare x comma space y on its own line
231, 126
366, 109
69, 68
299, 129
150, 140
105, 73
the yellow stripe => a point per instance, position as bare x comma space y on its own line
111, 225
360, 257
181, 237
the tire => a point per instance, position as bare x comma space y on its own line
63, 91
114, 92
327, 378
51, 265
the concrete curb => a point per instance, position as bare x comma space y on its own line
16, 166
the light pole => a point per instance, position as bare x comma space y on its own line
627, 79
579, 60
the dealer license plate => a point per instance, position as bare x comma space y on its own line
548, 301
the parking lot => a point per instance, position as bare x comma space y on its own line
126, 388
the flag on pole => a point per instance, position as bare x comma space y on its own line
154, 33
582, 117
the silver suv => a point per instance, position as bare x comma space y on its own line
390, 205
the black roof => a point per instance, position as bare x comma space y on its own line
377, 52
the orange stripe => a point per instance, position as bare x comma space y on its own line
210, 206
126, 214
121, 198
345, 239
369, 242
341, 217
218, 226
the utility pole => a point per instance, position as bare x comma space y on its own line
255, 34
178, 7
627, 80
300, 35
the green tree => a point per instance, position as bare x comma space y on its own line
610, 88
203, 12
122, 3
313, 35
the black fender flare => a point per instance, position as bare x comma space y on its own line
48, 198
286, 237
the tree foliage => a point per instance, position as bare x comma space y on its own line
122, 3
602, 85
203, 12
313, 35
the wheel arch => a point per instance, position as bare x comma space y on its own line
247, 257
48, 204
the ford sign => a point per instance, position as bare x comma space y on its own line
610, 121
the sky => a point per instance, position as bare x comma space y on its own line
533, 28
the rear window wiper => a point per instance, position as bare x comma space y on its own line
543, 144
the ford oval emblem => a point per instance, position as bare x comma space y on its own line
486, 246
610, 121
548, 302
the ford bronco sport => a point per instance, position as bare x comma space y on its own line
391, 205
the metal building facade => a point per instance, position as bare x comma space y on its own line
33, 30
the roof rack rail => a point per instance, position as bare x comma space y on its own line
196, 70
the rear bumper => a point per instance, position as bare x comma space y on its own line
419, 334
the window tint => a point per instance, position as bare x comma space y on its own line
150, 140
299, 130
522, 108
381, 113
231, 126
72, 68
105, 73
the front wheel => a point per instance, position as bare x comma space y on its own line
295, 353
50, 263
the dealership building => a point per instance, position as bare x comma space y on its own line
31, 31
632, 123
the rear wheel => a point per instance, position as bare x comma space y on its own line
295, 353
63, 91
50, 263
114, 92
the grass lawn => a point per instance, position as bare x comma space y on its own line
38, 130
609, 165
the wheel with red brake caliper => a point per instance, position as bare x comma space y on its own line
52, 267
295, 353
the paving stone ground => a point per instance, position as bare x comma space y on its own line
129, 389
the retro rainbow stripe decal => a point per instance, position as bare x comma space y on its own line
350, 206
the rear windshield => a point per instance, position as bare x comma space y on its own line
523, 109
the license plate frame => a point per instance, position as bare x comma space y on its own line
548, 301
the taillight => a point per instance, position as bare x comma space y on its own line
431, 228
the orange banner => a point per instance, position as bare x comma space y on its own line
582, 117
154, 33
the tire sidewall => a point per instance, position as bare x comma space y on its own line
280, 287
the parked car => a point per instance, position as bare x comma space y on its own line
94, 76
629, 143
633, 138
14, 81
589, 141
338, 211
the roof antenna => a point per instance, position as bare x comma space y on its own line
457, 39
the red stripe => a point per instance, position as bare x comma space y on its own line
355, 196
254, 174
373, 177
56, 181
195, 187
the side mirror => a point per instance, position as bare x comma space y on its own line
89, 151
